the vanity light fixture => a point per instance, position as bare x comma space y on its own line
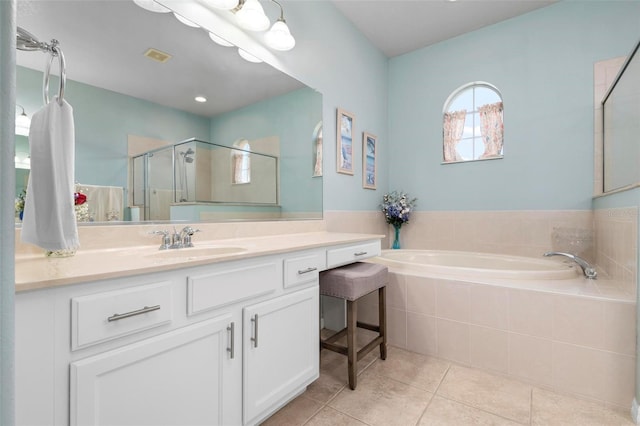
224, 4
219, 40
152, 6
250, 16
248, 56
279, 36
186, 21
23, 123
200, 99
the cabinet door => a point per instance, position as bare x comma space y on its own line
184, 377
281, 351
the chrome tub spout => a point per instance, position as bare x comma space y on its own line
588, 270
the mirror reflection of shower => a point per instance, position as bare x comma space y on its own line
187, 158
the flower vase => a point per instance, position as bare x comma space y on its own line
396, 238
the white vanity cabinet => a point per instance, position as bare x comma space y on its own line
183, 377
226, 343
281, 350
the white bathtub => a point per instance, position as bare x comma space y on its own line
531, 319
462, 264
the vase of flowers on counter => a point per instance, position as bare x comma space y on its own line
397, 207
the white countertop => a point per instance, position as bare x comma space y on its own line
35, 271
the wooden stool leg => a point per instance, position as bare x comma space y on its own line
352, 317
382, 317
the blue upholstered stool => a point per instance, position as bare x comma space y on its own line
350, 283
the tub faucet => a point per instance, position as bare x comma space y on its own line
588, 270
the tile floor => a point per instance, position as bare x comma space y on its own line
413, 389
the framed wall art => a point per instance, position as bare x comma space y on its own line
369, 151
344, 141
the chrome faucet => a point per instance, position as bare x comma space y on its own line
176, 240
588, 270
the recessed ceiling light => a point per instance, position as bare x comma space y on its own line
200, 99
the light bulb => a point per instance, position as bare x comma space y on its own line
248, 56
186, 21
251, 17
219, 40
151, 6
223, 4
279, 37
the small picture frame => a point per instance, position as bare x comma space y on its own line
344, 141
369, 151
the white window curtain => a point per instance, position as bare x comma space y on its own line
491, 129
453, 127
241, 163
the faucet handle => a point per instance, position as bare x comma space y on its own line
187, 232
166, 239
590, 273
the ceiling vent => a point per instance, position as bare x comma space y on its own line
157, 55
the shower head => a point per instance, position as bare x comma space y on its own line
185, 155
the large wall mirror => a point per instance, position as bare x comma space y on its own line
132, 79
621, 126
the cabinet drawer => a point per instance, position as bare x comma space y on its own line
352, 253
303, 269
105, 316
217, 289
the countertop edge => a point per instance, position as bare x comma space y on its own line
39, 273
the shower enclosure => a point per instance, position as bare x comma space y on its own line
196, 176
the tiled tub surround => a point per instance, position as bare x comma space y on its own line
617, 248
518, 232
513, 232
562, 338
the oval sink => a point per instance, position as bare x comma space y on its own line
191, 252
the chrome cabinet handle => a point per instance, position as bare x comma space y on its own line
254, 320
231, 349
306, 271
360, 253
116, 317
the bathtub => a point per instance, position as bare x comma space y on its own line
477, 265
537, 320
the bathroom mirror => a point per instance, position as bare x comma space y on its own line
621, 126
126, 100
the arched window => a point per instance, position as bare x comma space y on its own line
241, 162
472, 125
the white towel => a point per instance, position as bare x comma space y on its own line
49, 219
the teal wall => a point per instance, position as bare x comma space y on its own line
332, 56
103, 119
292, 117
542, 63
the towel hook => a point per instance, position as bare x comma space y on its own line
54, 52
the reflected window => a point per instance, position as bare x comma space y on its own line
241, 162
472, 126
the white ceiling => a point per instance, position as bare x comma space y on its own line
103, 42
400, 26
